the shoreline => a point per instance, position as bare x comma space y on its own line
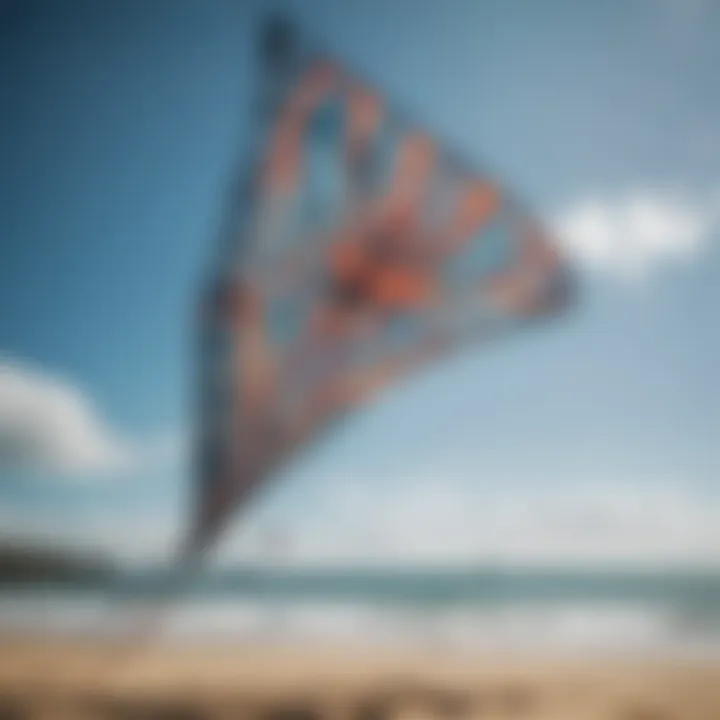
670, 653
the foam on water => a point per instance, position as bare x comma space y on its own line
572, 626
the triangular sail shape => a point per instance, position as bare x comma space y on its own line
366, 249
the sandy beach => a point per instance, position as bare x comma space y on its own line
88, 679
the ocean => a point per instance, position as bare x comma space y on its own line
466, 609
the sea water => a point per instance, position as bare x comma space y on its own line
466, 609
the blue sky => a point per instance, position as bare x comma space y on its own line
593, 437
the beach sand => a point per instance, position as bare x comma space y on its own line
88, 679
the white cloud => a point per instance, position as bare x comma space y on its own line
441, 520
427, 521
48, 424
633, 235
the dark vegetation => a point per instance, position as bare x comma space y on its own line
22, 562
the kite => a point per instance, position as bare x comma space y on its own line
360, 249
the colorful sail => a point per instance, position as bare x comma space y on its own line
363, 249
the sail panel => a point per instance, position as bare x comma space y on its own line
368, 251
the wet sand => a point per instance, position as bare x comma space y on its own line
84, 680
